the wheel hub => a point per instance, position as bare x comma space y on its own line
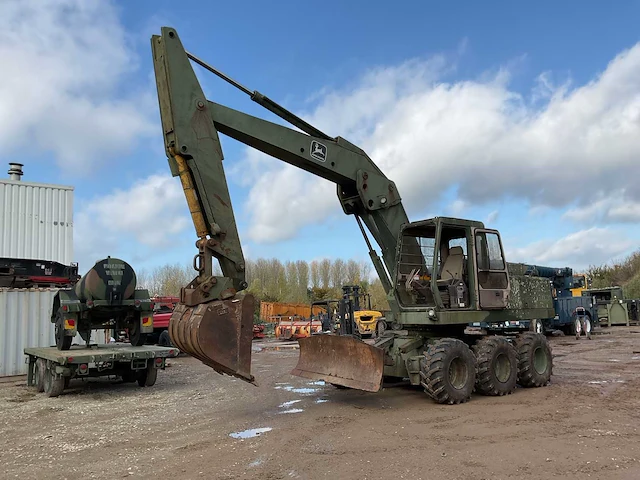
458, 373
502, 368
539, 360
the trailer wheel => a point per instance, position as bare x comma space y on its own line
53, 384
448, 371
497, 366
136, 337
535, 363
147, 377
39, 373
62, 342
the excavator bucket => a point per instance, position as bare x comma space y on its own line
341, 360
218, 333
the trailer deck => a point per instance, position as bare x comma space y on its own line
50, 369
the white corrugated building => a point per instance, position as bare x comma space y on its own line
36, 222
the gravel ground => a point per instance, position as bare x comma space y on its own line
193, 424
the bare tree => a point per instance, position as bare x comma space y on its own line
338, 271
325, 272
315, 274
352, 272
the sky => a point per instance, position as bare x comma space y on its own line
523, 116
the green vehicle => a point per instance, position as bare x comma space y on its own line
105, 298
440, 274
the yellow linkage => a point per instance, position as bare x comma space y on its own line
192, 199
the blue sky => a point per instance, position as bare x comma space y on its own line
525, 116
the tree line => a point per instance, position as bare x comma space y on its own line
271, 280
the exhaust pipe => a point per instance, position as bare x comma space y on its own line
15, 171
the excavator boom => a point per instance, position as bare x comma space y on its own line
213, 322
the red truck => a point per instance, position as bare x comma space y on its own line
162, 310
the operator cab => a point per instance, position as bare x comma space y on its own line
435, 269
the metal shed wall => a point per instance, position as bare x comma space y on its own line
25, 321
36, 221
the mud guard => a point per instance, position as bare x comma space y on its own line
218, 333
341, 360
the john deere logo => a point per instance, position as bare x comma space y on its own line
318, 151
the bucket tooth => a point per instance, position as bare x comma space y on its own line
341, 360
218, 333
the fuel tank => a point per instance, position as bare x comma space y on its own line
109, 279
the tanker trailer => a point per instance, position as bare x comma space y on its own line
104, 298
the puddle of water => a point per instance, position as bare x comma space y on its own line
293, 410
304, 390
256, 463
635, 358
289, 403
319, 382
321, 400
253, 432
598, 382
290, 388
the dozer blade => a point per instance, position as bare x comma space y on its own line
218, 333
341, 360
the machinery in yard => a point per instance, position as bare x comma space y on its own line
105, 298
50, 370
365, 319
294, 328
28, 273
440, 274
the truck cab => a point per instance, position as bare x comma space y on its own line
451, 264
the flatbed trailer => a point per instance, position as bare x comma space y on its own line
50, 369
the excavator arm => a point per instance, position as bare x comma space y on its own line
212, 321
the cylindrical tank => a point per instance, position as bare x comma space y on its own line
109, 279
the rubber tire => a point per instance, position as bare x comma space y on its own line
577, 327
53, 384
381, 326
535, 325
136, 337
434, 368
63, 342
487, 351
147, 377
526, 346
165, 340
39, 372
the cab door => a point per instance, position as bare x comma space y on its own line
491, 270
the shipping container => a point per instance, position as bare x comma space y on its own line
36, 220
25, 321
269, 311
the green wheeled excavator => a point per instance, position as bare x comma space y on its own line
441, 275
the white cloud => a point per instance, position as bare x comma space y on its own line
64, 62
558, 148
152, 212
593, 246
615, 207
